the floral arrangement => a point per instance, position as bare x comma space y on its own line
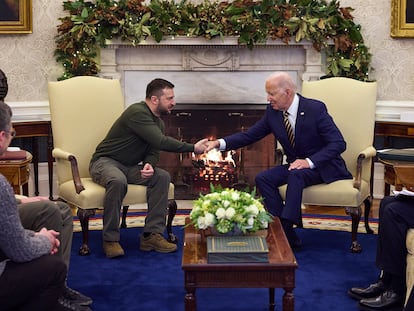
229, 210
89, 24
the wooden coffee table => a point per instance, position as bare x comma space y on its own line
279, 272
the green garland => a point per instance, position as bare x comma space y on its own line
90, 24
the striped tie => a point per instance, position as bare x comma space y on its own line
289, 129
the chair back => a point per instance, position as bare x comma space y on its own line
82, 111
352, 105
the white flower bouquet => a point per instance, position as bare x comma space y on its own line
228, 210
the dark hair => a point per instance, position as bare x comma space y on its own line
156, 87
4, 87
5, 116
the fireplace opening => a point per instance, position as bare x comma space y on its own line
192, 174
212, 168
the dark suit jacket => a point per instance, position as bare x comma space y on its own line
316, 137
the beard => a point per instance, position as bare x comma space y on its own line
164, 111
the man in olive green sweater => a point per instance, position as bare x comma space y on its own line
129, 154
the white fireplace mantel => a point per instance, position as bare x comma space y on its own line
208, 71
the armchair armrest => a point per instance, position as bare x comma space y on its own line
64, 155
367, 153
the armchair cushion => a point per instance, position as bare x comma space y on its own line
93, 195
339, 193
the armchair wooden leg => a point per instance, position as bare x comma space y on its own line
124, 216
172, 211
355, 213
368, 204
84, 215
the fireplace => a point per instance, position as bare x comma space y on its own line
193, 175
219, 86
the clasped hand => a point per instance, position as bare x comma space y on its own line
205, 145
52, 236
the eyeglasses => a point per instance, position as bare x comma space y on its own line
12, 133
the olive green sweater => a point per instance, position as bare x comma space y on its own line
138, 136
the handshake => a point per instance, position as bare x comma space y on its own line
205, 145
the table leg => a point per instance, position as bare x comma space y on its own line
35, 161
271, 299
288, 299
190, 303
50, 164
387, 189
25, 189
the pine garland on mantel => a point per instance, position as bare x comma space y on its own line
89, 25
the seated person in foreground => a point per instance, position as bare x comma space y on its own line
38, 213
31, 277
128, 155
311, 141
396, 216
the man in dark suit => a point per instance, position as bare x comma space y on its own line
396, 217
313, 156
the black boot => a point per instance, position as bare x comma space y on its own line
294, 241
373, 290
386, 301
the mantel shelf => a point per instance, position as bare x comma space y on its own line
200, 41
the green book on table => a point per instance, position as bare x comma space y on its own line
237, 249
397, 154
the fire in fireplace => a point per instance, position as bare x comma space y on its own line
212, 168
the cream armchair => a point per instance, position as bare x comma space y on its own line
351, 103
82, 111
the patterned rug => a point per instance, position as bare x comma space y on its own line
310, 221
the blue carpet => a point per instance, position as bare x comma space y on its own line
152, 281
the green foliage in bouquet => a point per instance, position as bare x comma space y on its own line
228, 209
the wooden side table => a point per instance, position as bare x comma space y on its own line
390, 177
17, 173
33, 130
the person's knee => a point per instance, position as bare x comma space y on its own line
56, 266
64, 209
118, 184
296, 177
386, 201
51, 211
162, 176
259, 179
